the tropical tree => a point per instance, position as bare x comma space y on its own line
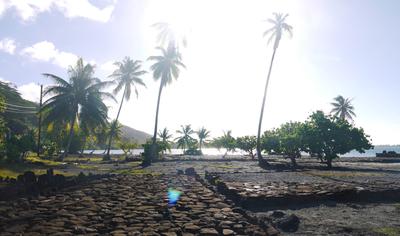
185, 140
342, 108
168, 36
327, 137
226, 141
166, 67
291, 140
81, 96
165, 138
203, 134
275, 33
247, 144
126, 76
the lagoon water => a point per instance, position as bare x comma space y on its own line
215, 151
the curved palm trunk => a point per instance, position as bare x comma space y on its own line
71, 134
259, 156
113, 127
153, 146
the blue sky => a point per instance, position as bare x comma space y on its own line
346, 47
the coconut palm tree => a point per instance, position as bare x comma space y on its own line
279, 26
165, 137
168, 36
185, 139
166, 67
342, 108
203, 134
126, 76
81, 96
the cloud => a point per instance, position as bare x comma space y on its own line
28, 9
7, 45
46, 51
30, 91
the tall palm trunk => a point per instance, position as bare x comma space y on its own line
115, 124
259, 156
153, 146
71, 134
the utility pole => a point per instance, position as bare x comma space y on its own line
40, 120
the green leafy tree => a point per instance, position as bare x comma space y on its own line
226, 141
247, 144
270, 141
291, 140
81, 96
185, 140
126, 76
328, 137
342, 108
275, 33
166, 67
202, 134
126, 146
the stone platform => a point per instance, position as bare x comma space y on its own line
128, 205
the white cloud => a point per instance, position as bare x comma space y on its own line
29, 9
30, 92
7, 45
46, 51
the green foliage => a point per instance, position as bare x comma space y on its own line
185, 140
147, 154
342, 108
203, 134
17, 147
226, 141
291, 140
327, 137
81, 96
247, 144
270, 141
127, 146
165, 138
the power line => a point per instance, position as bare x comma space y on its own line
12, 105
21, 112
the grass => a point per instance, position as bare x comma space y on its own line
37, 160
15, 169
388, 231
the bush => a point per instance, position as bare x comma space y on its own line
148, 155
193, 152
247, 144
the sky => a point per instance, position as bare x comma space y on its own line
339, 47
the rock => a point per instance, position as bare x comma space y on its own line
289, 223
190, 171
208, 232
277, 214
179, 172
191, 228
28, 177
227, 232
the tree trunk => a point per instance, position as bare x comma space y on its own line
107, 156
83, 146
293, 160
259, 156
329, 162
71, 133
153, 146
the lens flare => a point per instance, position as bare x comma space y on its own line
173, 196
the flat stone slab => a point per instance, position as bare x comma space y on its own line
126, 205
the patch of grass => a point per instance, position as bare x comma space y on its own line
342, 174
92, 159
15, 169
38, 160
87, 167
224, 166
388, 231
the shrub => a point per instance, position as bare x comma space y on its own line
247, 144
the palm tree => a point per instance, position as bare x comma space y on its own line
275, 32
126, 76
165, 137
203, 134
81, 96
342, 108
165, 68
168, 36
185, 139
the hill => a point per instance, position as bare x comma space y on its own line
134, 134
